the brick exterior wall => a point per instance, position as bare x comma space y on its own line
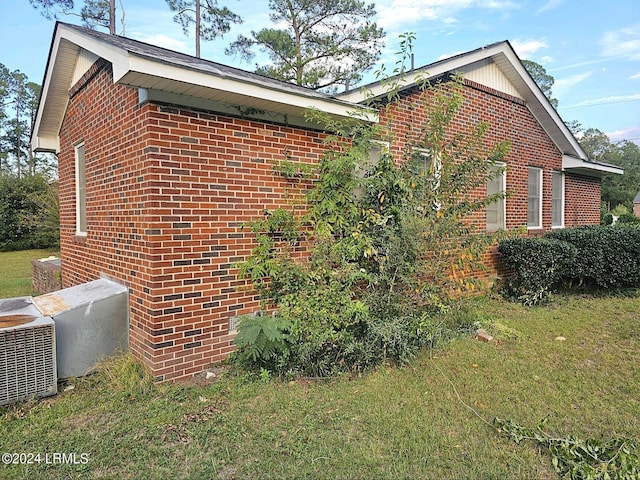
169, 189
168, 192
582, 200
46, 275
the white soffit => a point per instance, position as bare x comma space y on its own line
150, 74
579, 166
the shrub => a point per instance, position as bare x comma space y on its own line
628, 218
29, 215
607, 256
386, 245
606, 218
537, 264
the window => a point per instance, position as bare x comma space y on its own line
430, 165
362, 170
495, 214
557, 196
81, 191
534, 205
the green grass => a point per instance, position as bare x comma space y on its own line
15, 272
394, 423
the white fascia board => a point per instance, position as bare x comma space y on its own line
36, 139
533, 94
505, 57
43, 141
144, 65
572, 163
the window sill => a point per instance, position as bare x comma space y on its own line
80, 239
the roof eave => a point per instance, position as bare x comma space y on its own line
588, 168
137, 70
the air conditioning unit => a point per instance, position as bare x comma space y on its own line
27, 352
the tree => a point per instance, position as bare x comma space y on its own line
542, 79
210, 22
616, 189
322, 44
18, 106
94, 13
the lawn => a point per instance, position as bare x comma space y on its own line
15, 272
407, 422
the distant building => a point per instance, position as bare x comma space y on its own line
636, 205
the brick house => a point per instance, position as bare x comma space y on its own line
163, 157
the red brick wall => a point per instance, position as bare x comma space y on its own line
509, 119
582, 200
168, 192
169, 189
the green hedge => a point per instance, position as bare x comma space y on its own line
606, 257
537, 265
594, 256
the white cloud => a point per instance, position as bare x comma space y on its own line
546, 59
630, 133
163, 41
635, 77
623, 43
394, 13
449, 55
524, 48
606, 100
561, 85
550, 5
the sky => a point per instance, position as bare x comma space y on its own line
590, 47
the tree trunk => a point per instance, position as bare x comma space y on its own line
112, 17
198, 28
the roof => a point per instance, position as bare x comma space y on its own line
138, 64
502, 56
637, 199
172, 77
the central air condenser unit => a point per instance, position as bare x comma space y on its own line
27, 352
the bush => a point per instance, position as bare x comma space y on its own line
593, 256
537, 264
29, 215
387, 245
607, 256
606, 218
628, 218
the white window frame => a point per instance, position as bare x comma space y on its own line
554, 198
81, 189
433, 169
538, 171
502, 202
377, 150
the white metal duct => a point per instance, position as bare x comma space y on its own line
27, 352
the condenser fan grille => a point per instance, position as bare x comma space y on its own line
27, 362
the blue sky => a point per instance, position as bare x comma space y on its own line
591, 47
